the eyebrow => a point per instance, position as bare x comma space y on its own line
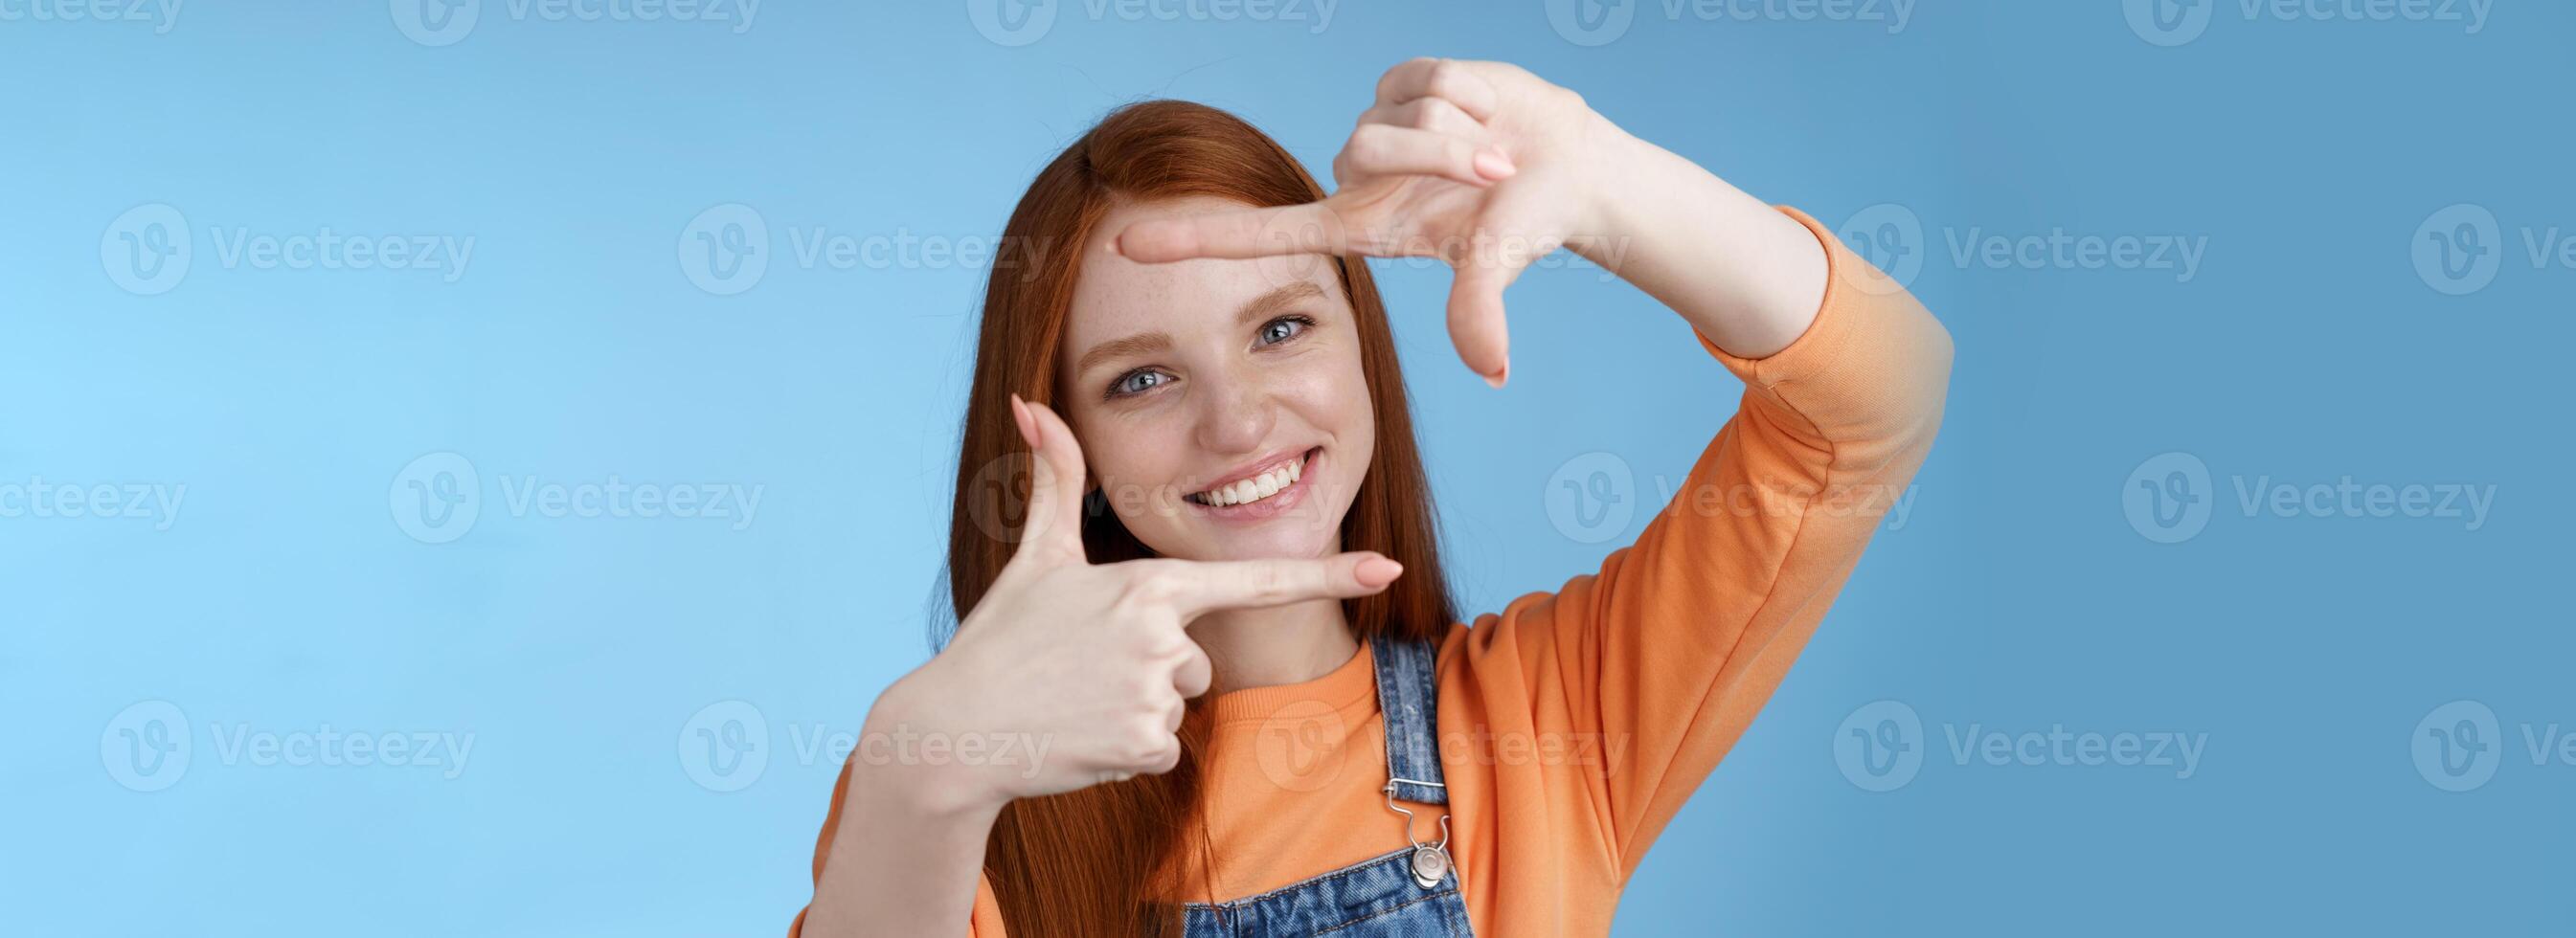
1261, 308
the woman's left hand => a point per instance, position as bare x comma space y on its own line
1480, 164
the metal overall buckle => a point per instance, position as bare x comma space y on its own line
1430, 861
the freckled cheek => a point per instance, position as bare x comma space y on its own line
1333, 398
1135, 481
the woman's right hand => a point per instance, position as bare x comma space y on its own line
1088, 662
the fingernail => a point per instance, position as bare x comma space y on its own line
1377, 571
1028, 424
1492, 164
1500, 375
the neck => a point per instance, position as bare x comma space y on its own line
1289, 644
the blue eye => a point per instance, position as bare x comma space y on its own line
1283, 329
1138, 382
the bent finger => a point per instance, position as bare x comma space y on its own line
1433, 114
1388, 150
1447, 79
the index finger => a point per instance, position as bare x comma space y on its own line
1311, 228
1201, 587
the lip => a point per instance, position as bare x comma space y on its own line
1279, 503
1266, 462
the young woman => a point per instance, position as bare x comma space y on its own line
1225, 494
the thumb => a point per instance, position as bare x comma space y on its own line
1504, 245
1053, 531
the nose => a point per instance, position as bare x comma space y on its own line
1235, 415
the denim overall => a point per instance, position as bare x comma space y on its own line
1410, 893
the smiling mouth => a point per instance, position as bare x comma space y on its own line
1258, 487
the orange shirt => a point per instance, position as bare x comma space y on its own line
1574, 724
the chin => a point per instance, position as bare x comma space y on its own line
1295, 542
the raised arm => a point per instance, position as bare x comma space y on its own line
1670, 649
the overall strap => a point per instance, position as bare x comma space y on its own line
1410, 704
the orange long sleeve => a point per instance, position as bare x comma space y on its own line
1574, 724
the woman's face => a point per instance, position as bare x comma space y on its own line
1220, 403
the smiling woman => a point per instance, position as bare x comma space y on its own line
1224, 606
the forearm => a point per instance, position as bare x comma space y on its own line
904, 859
1743, 274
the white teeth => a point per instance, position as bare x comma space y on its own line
1256, 488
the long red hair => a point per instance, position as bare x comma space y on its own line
1091, 863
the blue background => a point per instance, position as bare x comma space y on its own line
2017, 595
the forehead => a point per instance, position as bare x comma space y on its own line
1114, 297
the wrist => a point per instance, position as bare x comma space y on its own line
1616, 165
909, 759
